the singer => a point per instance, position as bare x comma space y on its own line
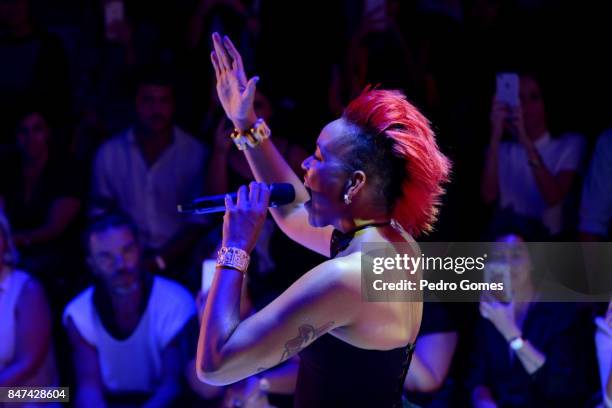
376, 176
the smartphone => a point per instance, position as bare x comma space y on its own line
508, 88
114, 12
499, 272
208, 273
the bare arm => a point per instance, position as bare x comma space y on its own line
269, 166
489, 186
431, 362
236, 95
230, 350
554, 188
33, 333
90, 390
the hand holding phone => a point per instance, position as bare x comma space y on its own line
499, 272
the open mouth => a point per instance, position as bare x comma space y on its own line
309, 201
309, 190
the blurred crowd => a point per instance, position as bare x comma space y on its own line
110, 119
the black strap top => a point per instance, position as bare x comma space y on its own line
336, 374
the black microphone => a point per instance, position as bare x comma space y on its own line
280, 194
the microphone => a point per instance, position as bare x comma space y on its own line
280, 194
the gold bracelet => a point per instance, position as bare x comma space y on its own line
251, 137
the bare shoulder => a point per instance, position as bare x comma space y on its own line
340, 273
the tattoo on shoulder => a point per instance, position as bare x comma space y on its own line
306, 334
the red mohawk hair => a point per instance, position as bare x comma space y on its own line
388, 114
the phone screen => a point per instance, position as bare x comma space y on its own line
208, 273
508, 88
113, 13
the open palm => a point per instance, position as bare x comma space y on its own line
235, 92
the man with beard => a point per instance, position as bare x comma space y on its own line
128, 330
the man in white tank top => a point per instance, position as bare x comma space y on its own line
127, 329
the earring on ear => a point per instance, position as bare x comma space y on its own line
347, 199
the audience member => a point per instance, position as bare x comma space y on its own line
525, 353
42, 190
147, 170
596, 205
34, 67
26, 350
128, 331
532, 173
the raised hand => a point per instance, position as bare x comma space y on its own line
236, 93
499, 113
502, 317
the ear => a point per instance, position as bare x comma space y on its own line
356, 182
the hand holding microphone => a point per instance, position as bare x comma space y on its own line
245, 211
280, 194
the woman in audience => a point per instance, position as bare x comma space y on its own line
41, 195
526, 352
531, 173
26, 350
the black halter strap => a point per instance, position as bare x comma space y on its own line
341, 240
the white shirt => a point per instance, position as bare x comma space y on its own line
135, 363
517, 185
596, 205
150, 195
10, 290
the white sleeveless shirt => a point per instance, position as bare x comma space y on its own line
11, 286
134, 364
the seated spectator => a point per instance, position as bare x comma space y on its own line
128, 329
426, 382
596, 206
529, 353
34, 66
41, 191
147, 170
603, 341
531, 173
26, 350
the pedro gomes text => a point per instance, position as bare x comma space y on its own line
412, 264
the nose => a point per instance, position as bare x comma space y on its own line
306, 163
119, 262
